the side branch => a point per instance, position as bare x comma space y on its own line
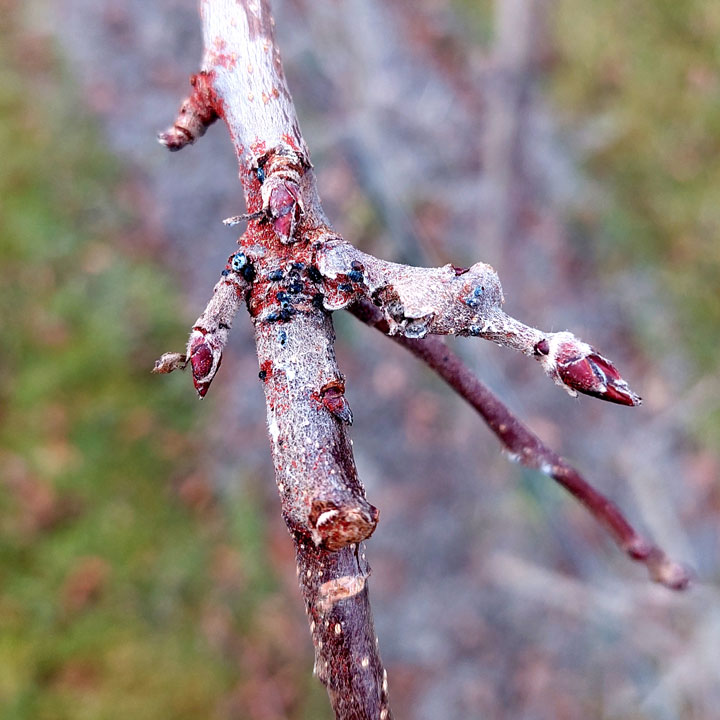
196, 114
416, 302
210, 331
530, 451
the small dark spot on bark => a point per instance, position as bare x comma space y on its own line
248, 272
460, 270
223, 326
282, 337
265, 370
473, 300
225, 273
314, 274
345, 287
542, 347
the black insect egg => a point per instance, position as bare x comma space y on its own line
238, 262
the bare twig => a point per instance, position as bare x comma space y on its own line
211, 329
529, 450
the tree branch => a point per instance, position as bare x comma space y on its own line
526, 448
292, 271
323, 501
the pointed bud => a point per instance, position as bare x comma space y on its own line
204, 361
332, 398
285, 207
577, 366
336, 403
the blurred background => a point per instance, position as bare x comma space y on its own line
145, 571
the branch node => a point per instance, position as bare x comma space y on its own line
282, 199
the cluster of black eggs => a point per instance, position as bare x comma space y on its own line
293, 287
241, 265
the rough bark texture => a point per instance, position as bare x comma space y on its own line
314, 466
292, 271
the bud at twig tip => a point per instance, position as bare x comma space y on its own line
579, 368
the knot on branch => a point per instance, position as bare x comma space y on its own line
334, 526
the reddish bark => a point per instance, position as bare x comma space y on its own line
197, 113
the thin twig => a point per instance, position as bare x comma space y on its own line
530, 451
450, 300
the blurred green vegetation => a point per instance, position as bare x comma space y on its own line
125, 589
645, 76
